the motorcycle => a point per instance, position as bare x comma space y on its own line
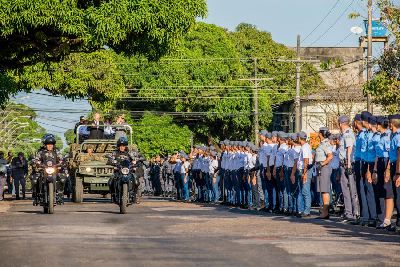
124, 186
47, 182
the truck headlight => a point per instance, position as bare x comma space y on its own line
88, 169
50, 170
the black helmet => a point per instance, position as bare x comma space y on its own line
122, 141
49, 139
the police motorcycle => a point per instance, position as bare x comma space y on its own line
125, 185
48, 184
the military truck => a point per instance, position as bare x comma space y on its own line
88, 166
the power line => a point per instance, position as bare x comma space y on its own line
334, 23
322, 21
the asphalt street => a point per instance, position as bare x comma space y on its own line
161, 232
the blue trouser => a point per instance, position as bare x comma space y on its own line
247, 194
288, 187
215, 188
184, 186
229, 186
238, 185
235, 187
209, 187
272, 191
336, 188
296, 195
369, 206
264, 187
305, 192
280, 181
178, 185
222, 185
362, 199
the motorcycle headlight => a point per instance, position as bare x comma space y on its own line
88, 169
50, 170
125, 171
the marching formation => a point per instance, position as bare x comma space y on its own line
355, 172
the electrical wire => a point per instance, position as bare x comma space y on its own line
322, 21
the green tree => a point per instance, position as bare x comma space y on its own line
93, 75
19, 131
385, 87
391, 13
158, 135
47, 30
202, 80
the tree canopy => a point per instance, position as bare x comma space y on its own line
159, 135
47, 30
200, 83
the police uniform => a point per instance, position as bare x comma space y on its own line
19, 169
283, 148
324, 173
394, 148
347, 181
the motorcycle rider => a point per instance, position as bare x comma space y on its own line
122, 153
48, 152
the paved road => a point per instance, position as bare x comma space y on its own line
166, 233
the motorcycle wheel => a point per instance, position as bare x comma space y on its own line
51, 198
124, 199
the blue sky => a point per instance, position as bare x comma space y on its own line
287, 18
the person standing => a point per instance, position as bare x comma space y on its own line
384, 185
347, 181
304, 173
282, 206
323, 157
335, 166
96, 127
184, 172
394, 155
19, 170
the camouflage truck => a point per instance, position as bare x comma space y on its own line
88, 166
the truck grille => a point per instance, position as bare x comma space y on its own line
97, 170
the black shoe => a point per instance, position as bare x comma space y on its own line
384, 227
346, 219
372, 223
299, 214
305, 216
17, 197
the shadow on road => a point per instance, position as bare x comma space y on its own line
333, 226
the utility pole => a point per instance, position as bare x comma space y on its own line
297, 103
369, 54
256, 82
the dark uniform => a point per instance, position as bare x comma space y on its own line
44, 156
155, 177
19, 169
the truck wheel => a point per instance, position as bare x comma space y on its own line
78, 191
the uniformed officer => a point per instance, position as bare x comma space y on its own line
304, 174
294, 191
282, 204
49, 153
323, 157
394, 156
263, 156
89, 155
19, 170
3, 173
347, 181
384, 184
367, 169
119, 155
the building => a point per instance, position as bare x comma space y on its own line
342, 71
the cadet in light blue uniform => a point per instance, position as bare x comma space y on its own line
361, 136
371, 171
394, 156
384, 187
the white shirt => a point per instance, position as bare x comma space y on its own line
213, 166
280, 154
185, 167
274, 148
305, 153
264, 153
292, 155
